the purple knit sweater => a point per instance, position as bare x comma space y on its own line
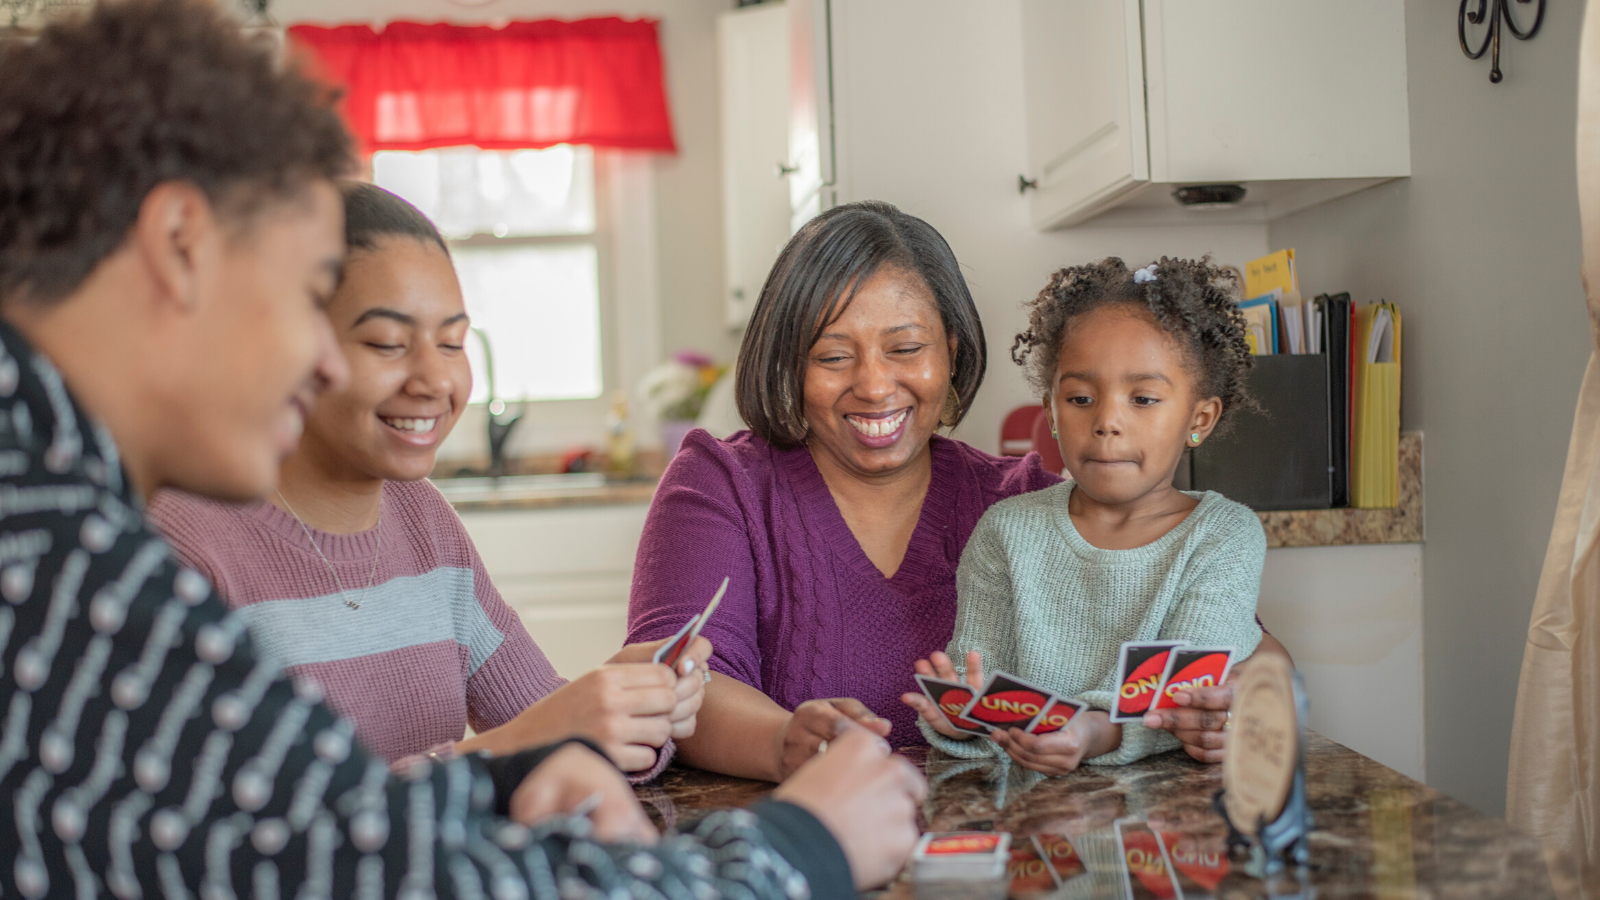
807, 615
433, 646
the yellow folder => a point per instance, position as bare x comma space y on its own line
1375, 444
1270, 272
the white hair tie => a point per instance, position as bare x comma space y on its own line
1145, 275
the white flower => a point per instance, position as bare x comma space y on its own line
670, 383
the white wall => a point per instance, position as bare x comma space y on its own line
1352, 617
1480, 249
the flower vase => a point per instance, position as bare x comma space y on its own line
673, 431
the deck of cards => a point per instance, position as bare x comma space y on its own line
669, 653
1150, 672
1005, 701
961, 856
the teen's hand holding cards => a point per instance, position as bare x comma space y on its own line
1134, 368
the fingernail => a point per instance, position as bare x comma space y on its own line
688, 666
1151, 720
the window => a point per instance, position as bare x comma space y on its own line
522, 230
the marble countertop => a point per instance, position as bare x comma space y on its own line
1377, 833
1331, 527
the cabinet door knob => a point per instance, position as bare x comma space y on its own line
1024, 183
785, 170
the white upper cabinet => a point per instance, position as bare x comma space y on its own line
810, 173
1298, 102
753, 56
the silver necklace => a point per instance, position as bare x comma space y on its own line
353, 604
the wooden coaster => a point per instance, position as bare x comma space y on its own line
1263, 744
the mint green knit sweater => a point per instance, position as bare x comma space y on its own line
1038, 601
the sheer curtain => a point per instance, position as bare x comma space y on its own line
527, 85
1553, 788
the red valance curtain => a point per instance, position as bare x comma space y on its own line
527, 85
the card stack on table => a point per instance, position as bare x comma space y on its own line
961, 856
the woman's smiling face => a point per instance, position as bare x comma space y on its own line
402, 324
877, 376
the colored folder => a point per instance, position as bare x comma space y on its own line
1275, 271
1375, 440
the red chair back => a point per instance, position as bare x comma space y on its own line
1016, 432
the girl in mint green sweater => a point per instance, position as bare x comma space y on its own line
1134, 368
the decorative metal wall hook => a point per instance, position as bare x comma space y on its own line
1024, 184
1498, 13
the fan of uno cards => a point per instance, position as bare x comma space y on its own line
1139, 669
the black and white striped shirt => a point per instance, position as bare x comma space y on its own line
146, 751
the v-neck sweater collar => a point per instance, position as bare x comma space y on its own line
925, 554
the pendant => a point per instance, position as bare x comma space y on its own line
352, 604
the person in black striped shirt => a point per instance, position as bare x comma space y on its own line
169, 232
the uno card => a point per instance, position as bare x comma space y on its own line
1192, 667
951, 697
1198, 863
669, 653
1145, 864
1062, 856
959, 844
1139, 669
1008, 702
1031, 876
1057, 715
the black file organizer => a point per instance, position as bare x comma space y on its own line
1282, 457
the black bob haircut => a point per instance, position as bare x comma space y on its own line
105, 106
372, 213
812, 283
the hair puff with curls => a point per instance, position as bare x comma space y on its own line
1194, 301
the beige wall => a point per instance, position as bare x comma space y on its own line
1480, 250
688, 185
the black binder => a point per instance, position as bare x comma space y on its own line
1336, 337
1282, 456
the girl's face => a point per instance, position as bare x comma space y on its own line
401, 323
877, 377
1125, 405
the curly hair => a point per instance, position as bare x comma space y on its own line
1193, 301
103, 107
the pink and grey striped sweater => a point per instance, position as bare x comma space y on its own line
432, 648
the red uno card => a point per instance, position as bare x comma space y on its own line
1030, 874
1057, 715
951, 697
1192, 667
1145, 862
1139, 670
1008, 702
1199, 863
1062, 856
669, 653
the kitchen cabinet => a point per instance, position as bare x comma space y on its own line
566, 571
1126, 100
753, 75
810, 168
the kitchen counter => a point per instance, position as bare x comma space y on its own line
543, 491
1377, 832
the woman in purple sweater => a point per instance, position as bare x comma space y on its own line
840, 516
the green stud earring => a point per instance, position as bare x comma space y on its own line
1053, 433
1195, 437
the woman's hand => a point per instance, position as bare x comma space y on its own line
690, 687
1201, 722
938, 665
625, 708
1089, 734
574, 778
867, 797
815, 721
